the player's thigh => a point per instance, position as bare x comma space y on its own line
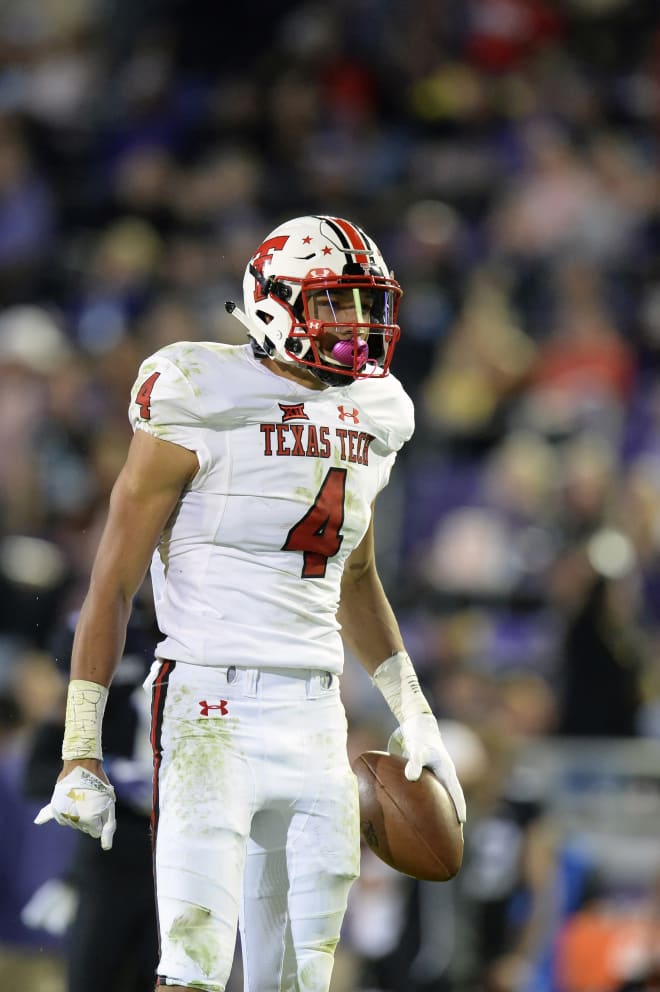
198, 885
302, 860
204, 798
204, 790
323, 857
323, 838
264, 900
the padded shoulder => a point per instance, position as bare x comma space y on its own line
389, 407
164, 396
192, 383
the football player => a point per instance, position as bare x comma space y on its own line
249, 484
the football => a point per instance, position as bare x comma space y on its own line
411, 826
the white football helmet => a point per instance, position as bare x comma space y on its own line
318, 293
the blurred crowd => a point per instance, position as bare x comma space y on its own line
504, 155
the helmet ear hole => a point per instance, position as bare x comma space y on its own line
295, 346
281, 290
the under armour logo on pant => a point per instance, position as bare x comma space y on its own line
205, 707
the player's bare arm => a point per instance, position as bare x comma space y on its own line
370, 629
369, 626
143, 498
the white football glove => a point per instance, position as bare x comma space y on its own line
83, 801
419, 740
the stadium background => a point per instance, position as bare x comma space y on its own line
504, 154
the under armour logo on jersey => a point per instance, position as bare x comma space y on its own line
292, 411
206, 707
352, 415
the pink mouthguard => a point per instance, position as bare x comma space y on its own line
344, 351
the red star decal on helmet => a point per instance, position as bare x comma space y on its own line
327, 250
307, 240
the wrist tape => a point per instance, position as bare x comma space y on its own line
397, 680
85, 706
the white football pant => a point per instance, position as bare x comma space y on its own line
256, 823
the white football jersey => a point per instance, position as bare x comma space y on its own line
248, 569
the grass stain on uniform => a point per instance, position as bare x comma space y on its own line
199, 773
196, 934
189, 371
315, 974
160, 431
309, 494
146, 368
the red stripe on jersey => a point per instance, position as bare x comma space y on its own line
355, 238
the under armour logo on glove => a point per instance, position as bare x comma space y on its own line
205, 707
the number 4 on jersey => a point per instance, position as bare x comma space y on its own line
317, 533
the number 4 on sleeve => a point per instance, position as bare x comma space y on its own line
143, 398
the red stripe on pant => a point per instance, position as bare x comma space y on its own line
158, 696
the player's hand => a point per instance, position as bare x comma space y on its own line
84, 801
419, 740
